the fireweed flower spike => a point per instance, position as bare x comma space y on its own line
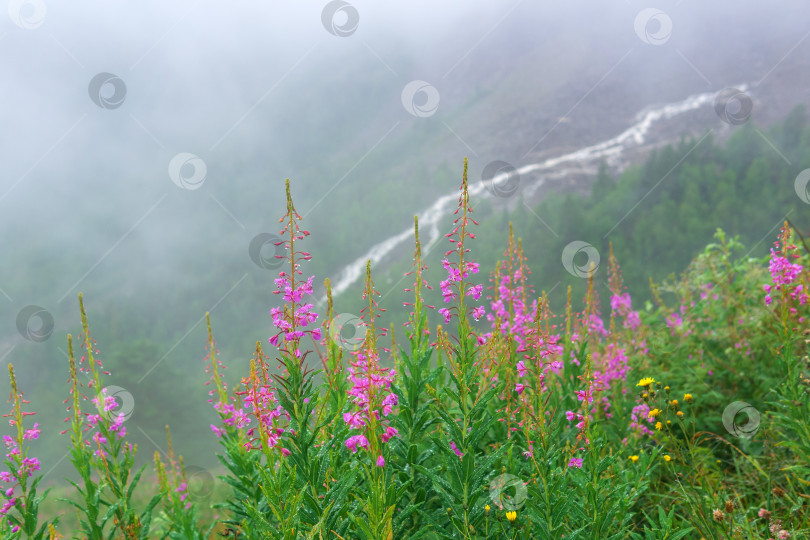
108, 454
372, 401
259, 397
417, 323
295, 315
370, 392
787, 277
182, 518
20, 468
230, 411
454, 287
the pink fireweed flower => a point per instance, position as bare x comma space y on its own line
32, 433
260, 400
294, 318
611, 365
446, 313
232, 416
575, 462
674, 321
786, 276
390, 432
632, 321
639, 415
370, 393
355, 440
24, 466
454, 287
369, 378
109, 401
455, 449
596, 326
380, 461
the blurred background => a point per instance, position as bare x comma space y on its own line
145, 147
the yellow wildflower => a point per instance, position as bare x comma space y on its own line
680, 414
687, 397
646, 381
658, 426
511, 516
633, 458
653, 413
667, 457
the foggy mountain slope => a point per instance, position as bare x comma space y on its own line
517, 86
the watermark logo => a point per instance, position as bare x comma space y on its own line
501, 179
108, 91
421, 99
187, 171
738, 426
27, 14
733, 106
340, 18
200, 483
35, 323
653, 26
800, 185
113, 401
575, 248
507, 491
267, 251
346, 338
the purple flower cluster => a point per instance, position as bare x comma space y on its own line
622, 305
270, 414
510, 296
290, 319
783, 274
613, 362
371, 395
27, 466
450, 289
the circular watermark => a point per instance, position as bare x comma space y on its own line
187, 171
200, 483
124, 403
267, 251
653, 26
35, 323
108, 91
733, 106
800, 185
420, 99
340, 18
733, 423
501, 179
27, 14
500, 492
582, 270
352, 340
